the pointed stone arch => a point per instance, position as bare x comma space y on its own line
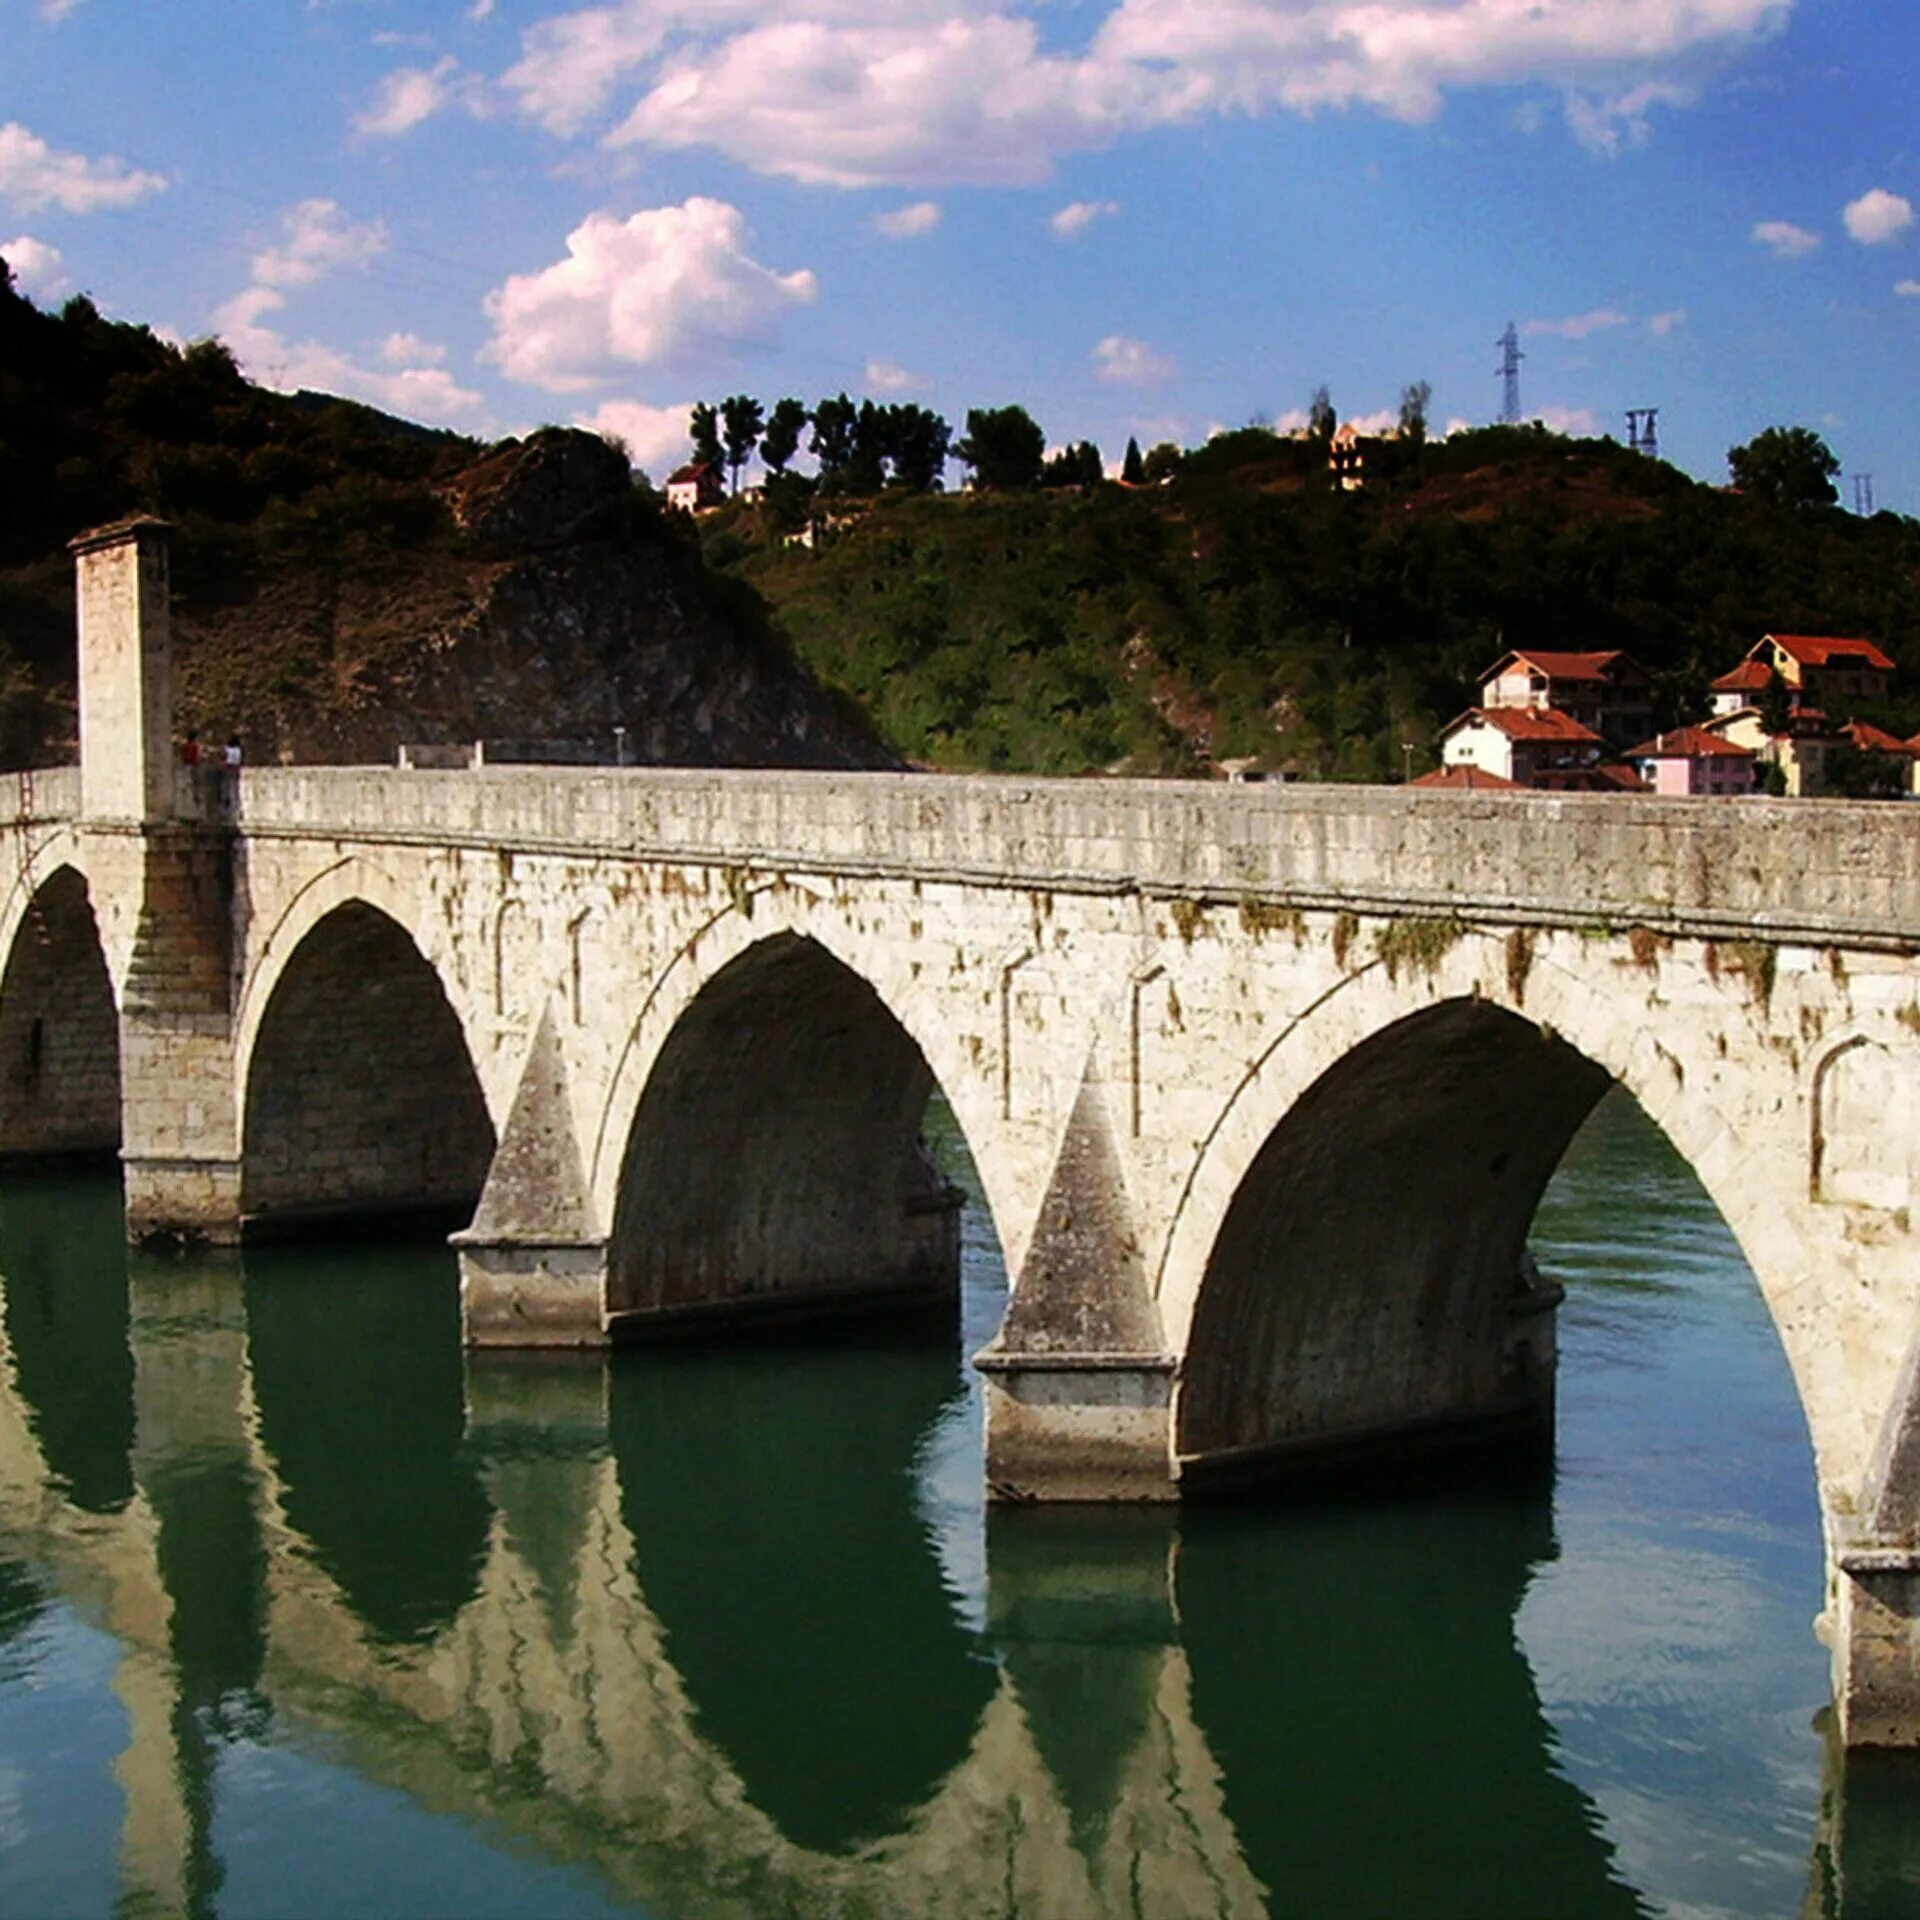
361, 1097
795, 914
1528, 1060
777, 1160
59, 1028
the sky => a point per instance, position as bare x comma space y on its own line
1154, 218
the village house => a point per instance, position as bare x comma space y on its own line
1822, 672
1530, 746
696, 487
1347, 459
1800, 750
1608, 692
1692, 760
1465, 778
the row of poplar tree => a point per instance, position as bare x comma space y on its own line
862, 446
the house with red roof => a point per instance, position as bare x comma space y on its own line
696, 487
1531, 746
1463, 777
1823, 671
1693, 761
1743, 687
1608, 692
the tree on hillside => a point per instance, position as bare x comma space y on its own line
703, 429
1079, 465
741, 418
1132, 467
1004, 446
781, 440
1163, 461
1321, 418
917, 444
1786, 466
867, 469
1776, 703
834, 421
1414, 402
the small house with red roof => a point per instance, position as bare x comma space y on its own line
1465, 778
696, 487
1691, 761
1823, 671
1800, 751
1743, 687
1531, 746
1608, 692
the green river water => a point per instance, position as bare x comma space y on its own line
303, 1612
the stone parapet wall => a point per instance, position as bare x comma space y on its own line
1745, 869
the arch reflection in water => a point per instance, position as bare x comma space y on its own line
64, 1258
1316, 1710
355, 1361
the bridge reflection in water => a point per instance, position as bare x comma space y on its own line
696, 1622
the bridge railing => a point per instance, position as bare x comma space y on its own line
1783, 869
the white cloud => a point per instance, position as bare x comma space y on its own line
1660, 325
570, 65
1580, 326
1879, 218
888, 376
960, 101
1578, 421
426, 393
57, 10
34, 175
1605, 123
658, 438
1078, 215
408, 95
1131, 363
36, 266
894, 92
1907, 289
908, 223
320, 239
481, 10
1787, 241
670, 286
409, 350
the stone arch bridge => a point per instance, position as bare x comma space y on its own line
1262, 1085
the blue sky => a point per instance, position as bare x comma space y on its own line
1153, 217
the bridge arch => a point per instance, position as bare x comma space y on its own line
59, 1024
358, 1090
1397, 1136
762, 1135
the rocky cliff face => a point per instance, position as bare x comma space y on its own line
551, 606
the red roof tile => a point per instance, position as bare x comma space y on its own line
1533, 723
1463, 778
1813, 650
1750, 676
1561, 666
1690, 743
1874, 739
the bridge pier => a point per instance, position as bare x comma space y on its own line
1079, 1382
155, 834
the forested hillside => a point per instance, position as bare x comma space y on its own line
345, 581
1246, 607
